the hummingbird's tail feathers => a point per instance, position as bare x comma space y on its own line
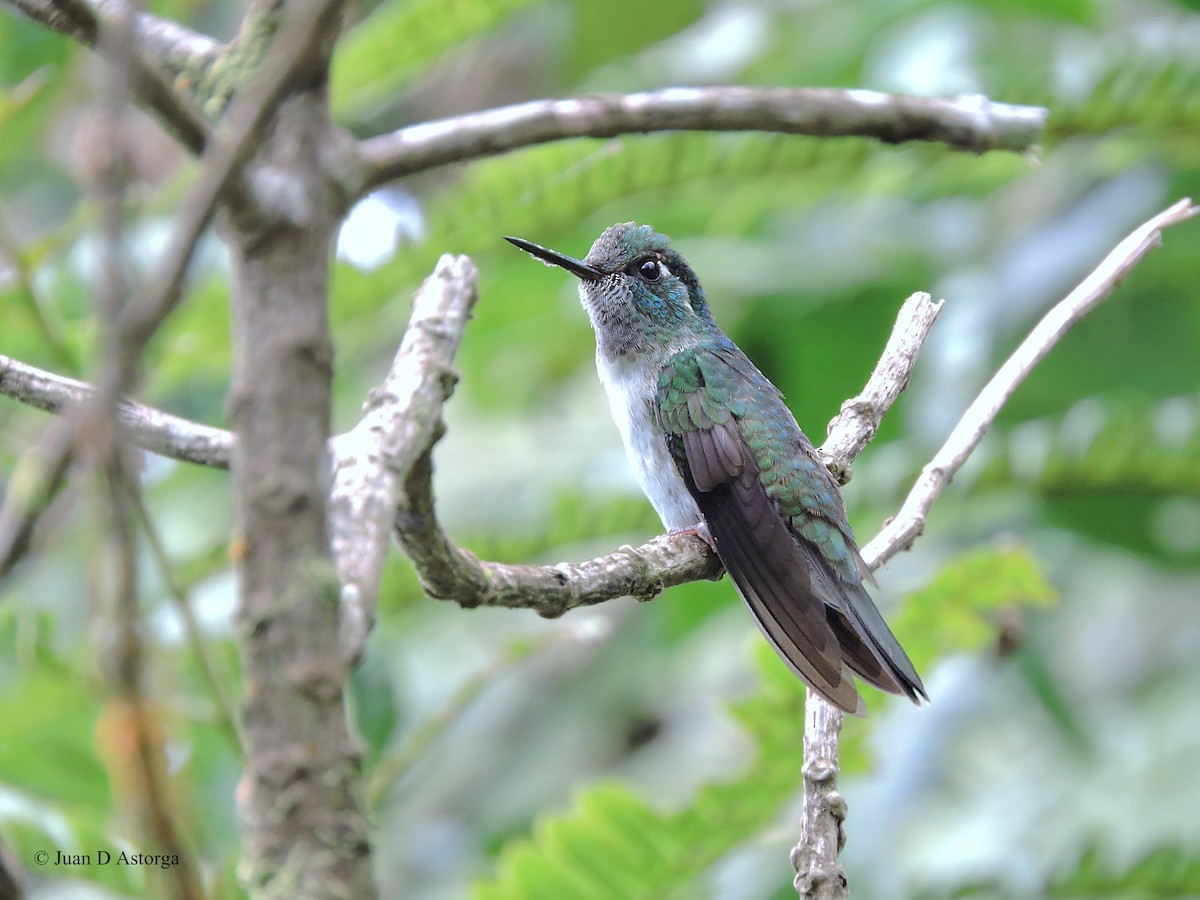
763, 559
861, 612
860, 656
868, 645
809, 614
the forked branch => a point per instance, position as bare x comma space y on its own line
451, 573
815, 858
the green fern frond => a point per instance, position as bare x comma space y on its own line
1161, 93
1117, 443
397, 42
1161, 873
613, 843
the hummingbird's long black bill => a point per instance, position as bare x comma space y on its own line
576, 267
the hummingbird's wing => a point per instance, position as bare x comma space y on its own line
777, 521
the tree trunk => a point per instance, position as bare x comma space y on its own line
305, 834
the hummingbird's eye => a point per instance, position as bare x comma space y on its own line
650, 270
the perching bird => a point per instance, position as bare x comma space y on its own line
716, 450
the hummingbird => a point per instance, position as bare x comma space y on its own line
719, 454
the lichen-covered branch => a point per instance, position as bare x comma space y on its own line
400, 418
971, 122
451, 573
819, 875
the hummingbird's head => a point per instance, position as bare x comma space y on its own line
638, 292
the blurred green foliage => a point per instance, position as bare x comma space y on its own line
643, 750
614, 844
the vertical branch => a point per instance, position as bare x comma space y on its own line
129, 729
304, 833
819, 875
401, 418
815, 858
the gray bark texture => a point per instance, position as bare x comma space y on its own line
305, 834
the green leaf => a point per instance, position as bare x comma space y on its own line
955, 610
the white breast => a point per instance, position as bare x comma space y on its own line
630, 385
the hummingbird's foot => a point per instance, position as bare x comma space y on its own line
700, 530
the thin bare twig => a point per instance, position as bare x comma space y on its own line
140, 762
35, 481
815, 858
393, 767
131, 731
971, 122
226, 710
33, 300
144, 426
909, 522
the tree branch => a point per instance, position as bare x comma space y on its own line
179, 48
970, 122
291, 56
163, 38
303, 828
450, 573
87, 24
819, 875
909, 522
146, 427
400, 418
815, 858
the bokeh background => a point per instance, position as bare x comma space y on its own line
654, 749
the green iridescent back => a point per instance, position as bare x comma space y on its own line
711, 383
